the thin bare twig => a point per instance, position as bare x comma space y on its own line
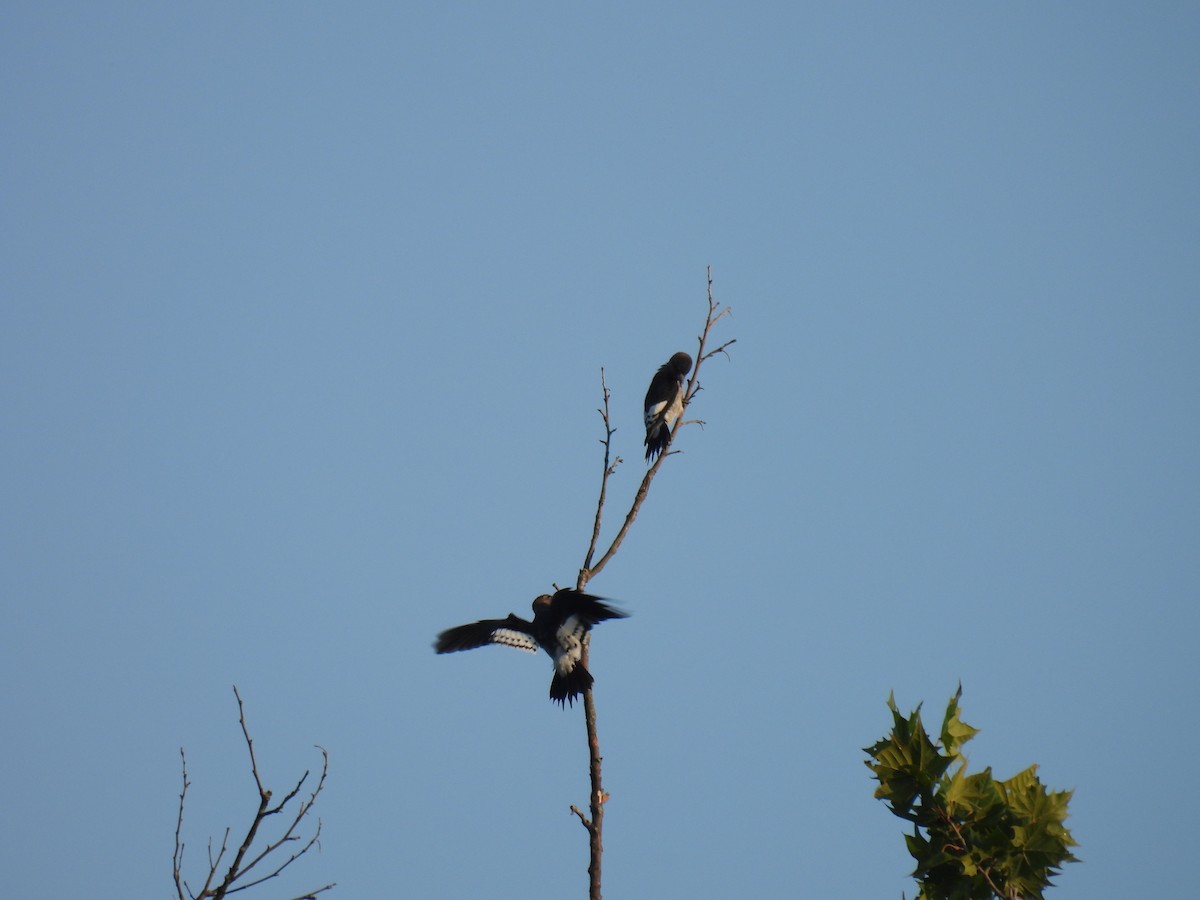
582, 818
609, 468
212, 864
239, 868
289, 835
177, 859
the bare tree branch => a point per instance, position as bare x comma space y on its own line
595, 824
609, 431
693, 387
239, 868
177, 859
582, 818
290, 835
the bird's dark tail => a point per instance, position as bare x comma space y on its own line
658, 442
567, 686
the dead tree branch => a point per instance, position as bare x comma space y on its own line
609, 468
240, 867
715, 314
595, 823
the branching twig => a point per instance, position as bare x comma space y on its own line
177, 859
584, 820
595, 824
609, 431
693, 387
238, 867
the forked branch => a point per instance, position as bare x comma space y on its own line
594, 823
244, 862
609, 468
703, 354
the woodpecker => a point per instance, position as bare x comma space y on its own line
664, 403
559, 623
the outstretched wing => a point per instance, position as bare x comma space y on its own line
575, 613
572, 614
587, 609
511, 632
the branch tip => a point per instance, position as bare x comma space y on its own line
239, 866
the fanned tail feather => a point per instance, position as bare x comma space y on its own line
566, 687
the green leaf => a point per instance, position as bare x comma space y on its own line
955, 732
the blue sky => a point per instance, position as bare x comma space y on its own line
304, 309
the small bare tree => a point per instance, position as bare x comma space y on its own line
594, 821
247, 858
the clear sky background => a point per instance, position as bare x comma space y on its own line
303, 313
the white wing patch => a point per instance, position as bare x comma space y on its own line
664, 414
676, 409
653, 410
519, 639
570, 643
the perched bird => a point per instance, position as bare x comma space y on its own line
664, 402
559, 623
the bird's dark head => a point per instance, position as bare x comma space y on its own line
542, 602
681, 363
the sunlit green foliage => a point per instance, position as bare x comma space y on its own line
973, 837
